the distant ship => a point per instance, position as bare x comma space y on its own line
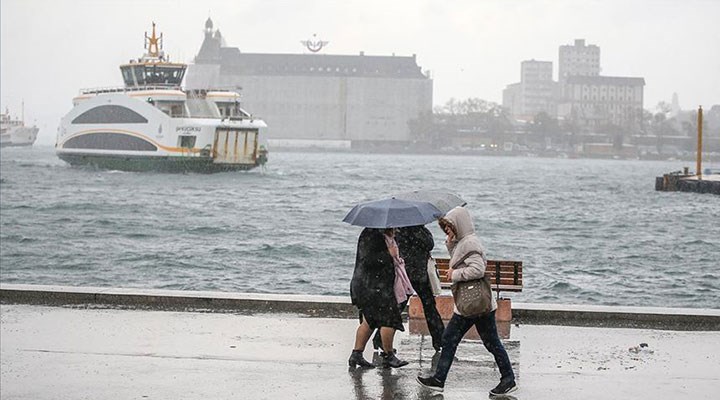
14, 132
153, 124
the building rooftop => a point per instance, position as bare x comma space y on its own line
605, 80
233, 61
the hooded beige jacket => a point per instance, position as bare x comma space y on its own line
467, 254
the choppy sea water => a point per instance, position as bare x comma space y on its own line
587, 231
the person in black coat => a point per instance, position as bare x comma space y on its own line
372, 292
416, 243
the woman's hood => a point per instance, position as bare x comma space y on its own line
460, 218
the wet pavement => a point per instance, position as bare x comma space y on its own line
86, 353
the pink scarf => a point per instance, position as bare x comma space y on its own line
402, 286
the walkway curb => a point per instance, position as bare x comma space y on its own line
178, 300
680, 319
688, 319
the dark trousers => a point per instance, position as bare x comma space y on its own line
454, 332
432, 317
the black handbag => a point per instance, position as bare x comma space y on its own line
472, 298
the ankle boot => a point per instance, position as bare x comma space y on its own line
391, 360
357, 359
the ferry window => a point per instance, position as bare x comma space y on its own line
109, 141
109, 114
176, 110
165, 75
127, 77
152, 75
139, 74
187, 142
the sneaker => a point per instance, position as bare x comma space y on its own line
504, 387
431, 383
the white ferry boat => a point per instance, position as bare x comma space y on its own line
14, 132
153, 124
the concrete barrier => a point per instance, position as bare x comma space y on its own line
684, 319
340, 306
178, 300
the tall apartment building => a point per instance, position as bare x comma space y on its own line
578, 59
535, 93
319, 99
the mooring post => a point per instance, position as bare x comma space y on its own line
698, 171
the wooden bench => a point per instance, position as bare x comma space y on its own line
505, 276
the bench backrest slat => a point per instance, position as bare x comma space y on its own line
504, 275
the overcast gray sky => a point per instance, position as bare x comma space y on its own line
52, 48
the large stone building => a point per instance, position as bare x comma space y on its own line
597, 101
319, 100
581, 96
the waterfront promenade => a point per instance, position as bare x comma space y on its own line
94, 350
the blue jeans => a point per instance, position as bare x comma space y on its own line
454, 332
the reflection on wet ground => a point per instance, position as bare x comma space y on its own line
473, 372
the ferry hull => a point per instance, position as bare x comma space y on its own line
23, 136
152, 163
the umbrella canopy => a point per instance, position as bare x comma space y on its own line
392, 213
443, 200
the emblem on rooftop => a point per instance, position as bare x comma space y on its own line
314, 44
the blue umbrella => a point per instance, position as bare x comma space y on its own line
392, 213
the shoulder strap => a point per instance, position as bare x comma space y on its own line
465, 257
